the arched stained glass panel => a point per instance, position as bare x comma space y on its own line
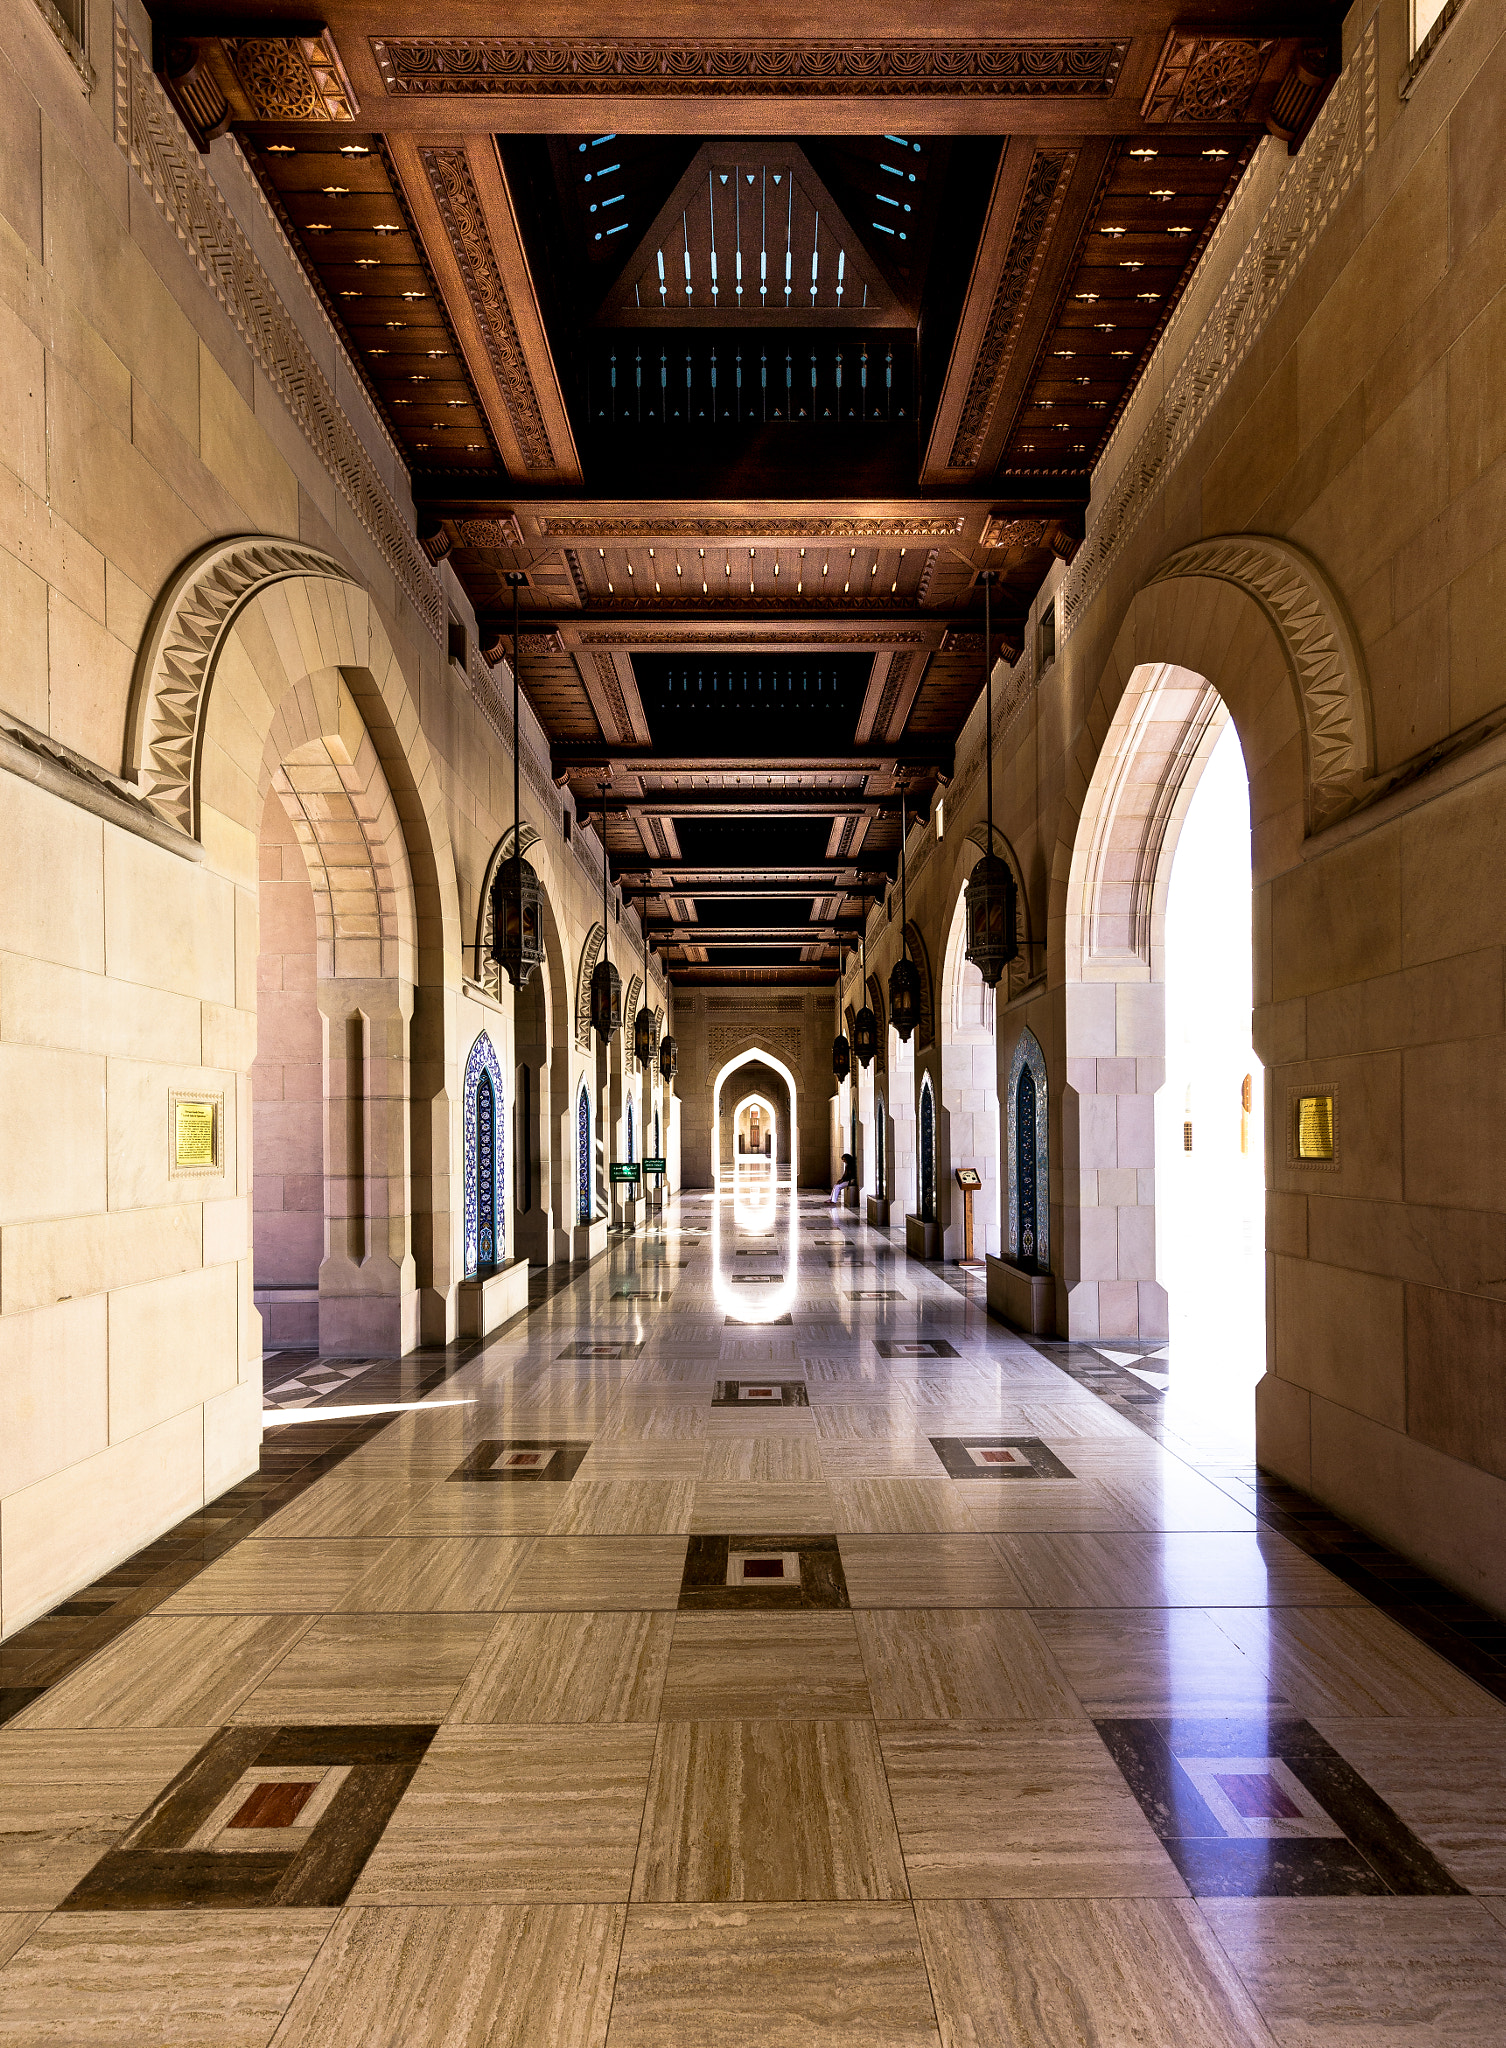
485, 1183
583, 1202
927, 1152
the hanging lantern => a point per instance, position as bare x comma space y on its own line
991, 939
865, 1036
841, 1058
606, 1000
669, 1058
645, 1037
517, 920
904, 997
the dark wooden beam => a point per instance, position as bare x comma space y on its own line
578, 757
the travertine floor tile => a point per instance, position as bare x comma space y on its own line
961, 1664
1210, 1569
626, 1507
295, 1578
574, 1572
739, 1460
474, 1508
345, 1508
928, 1571
158, 1980
543, 1668
801, 1509
16, 1928
65, 1797
371, 1667
531, 1976
767, 1810
655, 1458
1353, 1661
1062, 1973
1368, 1973
1447, 1781
1024, 1811
884, 1506
1159, 1660
513, 1815
1054, 1506
807, 1976
439, 1575
182, 1671
753, 1666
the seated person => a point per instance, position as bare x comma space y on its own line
849, 1178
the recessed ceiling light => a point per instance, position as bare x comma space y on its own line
334, 191
435, 353
352, 295
1066, 354
376, 351
1088, 298
354, 149
1123, 354
1112, 231
1179, 231
1215, 152
368, 263
1144, 154
413, 295
280, 149
388, 227
1163, 192
1105, 326
454, 401
417, 377
1131, 263
1150, 298
394, 323
318, 227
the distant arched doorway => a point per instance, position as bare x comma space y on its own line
776, 1079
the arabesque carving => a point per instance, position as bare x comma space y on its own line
810, 68
1321, 650
818, 527
293, 78
173, 668
590, 953
1206, 78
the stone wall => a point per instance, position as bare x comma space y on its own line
1305, 506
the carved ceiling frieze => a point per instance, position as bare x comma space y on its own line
293, 78
817, 527
500, 531
1050, 173
1206, 78
460, 209
560, 66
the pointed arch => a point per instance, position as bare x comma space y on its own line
1027, 1127
925, 1028
590, 953
488, 970
485, 1158
585, 1178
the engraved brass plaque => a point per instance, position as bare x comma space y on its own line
1315, 1127
195, 1132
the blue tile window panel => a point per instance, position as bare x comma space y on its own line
1028, 1163
630, 1152
485, 1164
583, 1204
927, 1151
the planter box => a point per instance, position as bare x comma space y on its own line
485, 1305
850, 1197
878, 1211
1027, 1300
922, 1239
589, 1240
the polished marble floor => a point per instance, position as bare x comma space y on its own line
543, 1693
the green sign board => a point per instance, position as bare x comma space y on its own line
653, 1166
625, 1169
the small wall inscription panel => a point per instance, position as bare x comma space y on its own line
1315, 1127
196, 1133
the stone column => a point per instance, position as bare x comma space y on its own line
368, 1296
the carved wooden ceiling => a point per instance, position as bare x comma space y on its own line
754, 353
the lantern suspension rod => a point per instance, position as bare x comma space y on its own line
904, 913
988, 700
517, 580
605, 934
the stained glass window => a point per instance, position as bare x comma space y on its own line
583, 1154
485, 1167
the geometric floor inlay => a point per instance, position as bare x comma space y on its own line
998, 1457
260, 1817
775, 1572
1262, 1807
761, 1394
915, 1347
522, 1458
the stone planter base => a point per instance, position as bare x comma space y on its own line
922, 1239
485, 1305
589, 1240
878, 1211
1027, 1300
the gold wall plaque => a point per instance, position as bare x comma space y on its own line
1315, 1127
195, 1132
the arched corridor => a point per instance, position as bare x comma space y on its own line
709, 713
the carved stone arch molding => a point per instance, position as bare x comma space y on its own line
1322, 655
488, 970
925, 1025
237, 629
590, 953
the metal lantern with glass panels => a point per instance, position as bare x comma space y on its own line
991, 939
904, 998
645, 1036
865, 1036
841, 1058
669, 1058
517, 920
606, 1000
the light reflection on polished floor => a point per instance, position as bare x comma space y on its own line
937, 1702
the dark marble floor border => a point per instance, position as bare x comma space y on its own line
54, 1646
